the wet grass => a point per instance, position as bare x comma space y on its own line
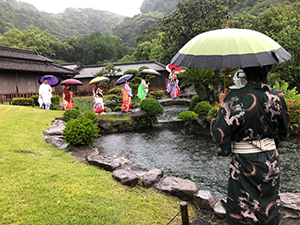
41, 184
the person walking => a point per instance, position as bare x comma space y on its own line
143, 88
249, 126
67, 98
45, 94
98, 101
126, 96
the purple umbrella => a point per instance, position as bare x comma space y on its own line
52, 80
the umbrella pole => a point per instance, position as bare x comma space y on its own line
225, 80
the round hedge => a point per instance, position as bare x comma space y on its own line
91, 115
188, 115
71, 114
194, 101
80, 131
152, 106
202, 108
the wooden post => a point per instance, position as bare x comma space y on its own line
184, 213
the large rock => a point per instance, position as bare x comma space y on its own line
205, 200
108, 162
126, 178
290, 203
181, 188
56, 130
136, 169
57, 141
220, 209
137, 114
152, 177
81, 153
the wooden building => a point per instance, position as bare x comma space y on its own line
85, 73
21, 69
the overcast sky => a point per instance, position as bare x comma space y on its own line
122, 7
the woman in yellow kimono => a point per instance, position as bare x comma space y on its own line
126, 95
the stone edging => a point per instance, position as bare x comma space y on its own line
128, 173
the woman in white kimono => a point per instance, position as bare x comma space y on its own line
45, 93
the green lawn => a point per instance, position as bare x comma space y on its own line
41, 184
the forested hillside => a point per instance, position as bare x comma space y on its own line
164, 6
256, 7
73, 22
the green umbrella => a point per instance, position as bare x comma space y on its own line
230, 47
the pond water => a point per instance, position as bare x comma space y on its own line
168, 147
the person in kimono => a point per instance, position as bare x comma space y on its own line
126, 96
249, 126
98, 101
143, 88
173, 87
67, 98
45, 94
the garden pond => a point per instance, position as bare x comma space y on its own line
190, 156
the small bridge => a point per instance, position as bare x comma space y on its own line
169, 101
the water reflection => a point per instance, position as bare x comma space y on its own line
188, 156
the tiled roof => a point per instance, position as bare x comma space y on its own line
15, 59
17, 53
88, 71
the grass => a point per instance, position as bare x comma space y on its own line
41, 184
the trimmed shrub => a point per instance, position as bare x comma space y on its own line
71, 114
115, 91
91, 115
152, 106
188, 115
80, 131
35, 99
23, 101
113, 97
202, 108
55, 100
157, 94
117, 109
212, 113
195, 100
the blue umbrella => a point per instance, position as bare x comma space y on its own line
123, 78
52, 80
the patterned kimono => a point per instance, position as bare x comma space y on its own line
254, 112
98, 101
67, 99
126, 96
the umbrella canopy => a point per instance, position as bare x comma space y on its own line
230, 47
52, 80
98, 80
150, 72
71, 81
170, 66
123, 78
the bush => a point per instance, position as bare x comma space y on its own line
71, 114
212, 113
80, 131
188, 115
115, 91
152, 106
35, 99
117, 109
23, 101
91, 115
293, 110
55, 99
113, 97
157, 94
195, 100
202, 108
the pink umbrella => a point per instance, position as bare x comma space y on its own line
71, 81
170, 66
